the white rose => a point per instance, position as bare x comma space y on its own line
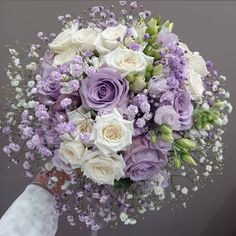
72, 153
111, 133
82, 121
126, 60
103, 169
107, 41
194, 84
65, 56
84, 39
63, 41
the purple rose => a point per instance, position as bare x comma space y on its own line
104, 90
142, 160
183, 106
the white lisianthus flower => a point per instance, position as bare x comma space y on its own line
110, 38
70, 41
196, 70
103, 169
82, 120
194, 84
139, 28
84, 38
111, 133
72, 152
126, 61
136, 34
197, 62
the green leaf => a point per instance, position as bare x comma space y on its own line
123, 184
158, 20
177, 162
152, 38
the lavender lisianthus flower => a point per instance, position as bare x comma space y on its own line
143, 161
168, 116
183, 106
165, 37
157, 86
104, 90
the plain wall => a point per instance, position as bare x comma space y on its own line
206, 26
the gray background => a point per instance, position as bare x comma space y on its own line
207, 26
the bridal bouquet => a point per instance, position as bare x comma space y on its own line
121, 100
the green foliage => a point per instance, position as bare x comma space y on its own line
123, 184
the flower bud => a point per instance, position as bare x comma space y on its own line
65, 78
152, 27
186, 143
153, 137
165, 129
139, 83
218, 105
218, 121
187, 158
167, 138
130, 77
